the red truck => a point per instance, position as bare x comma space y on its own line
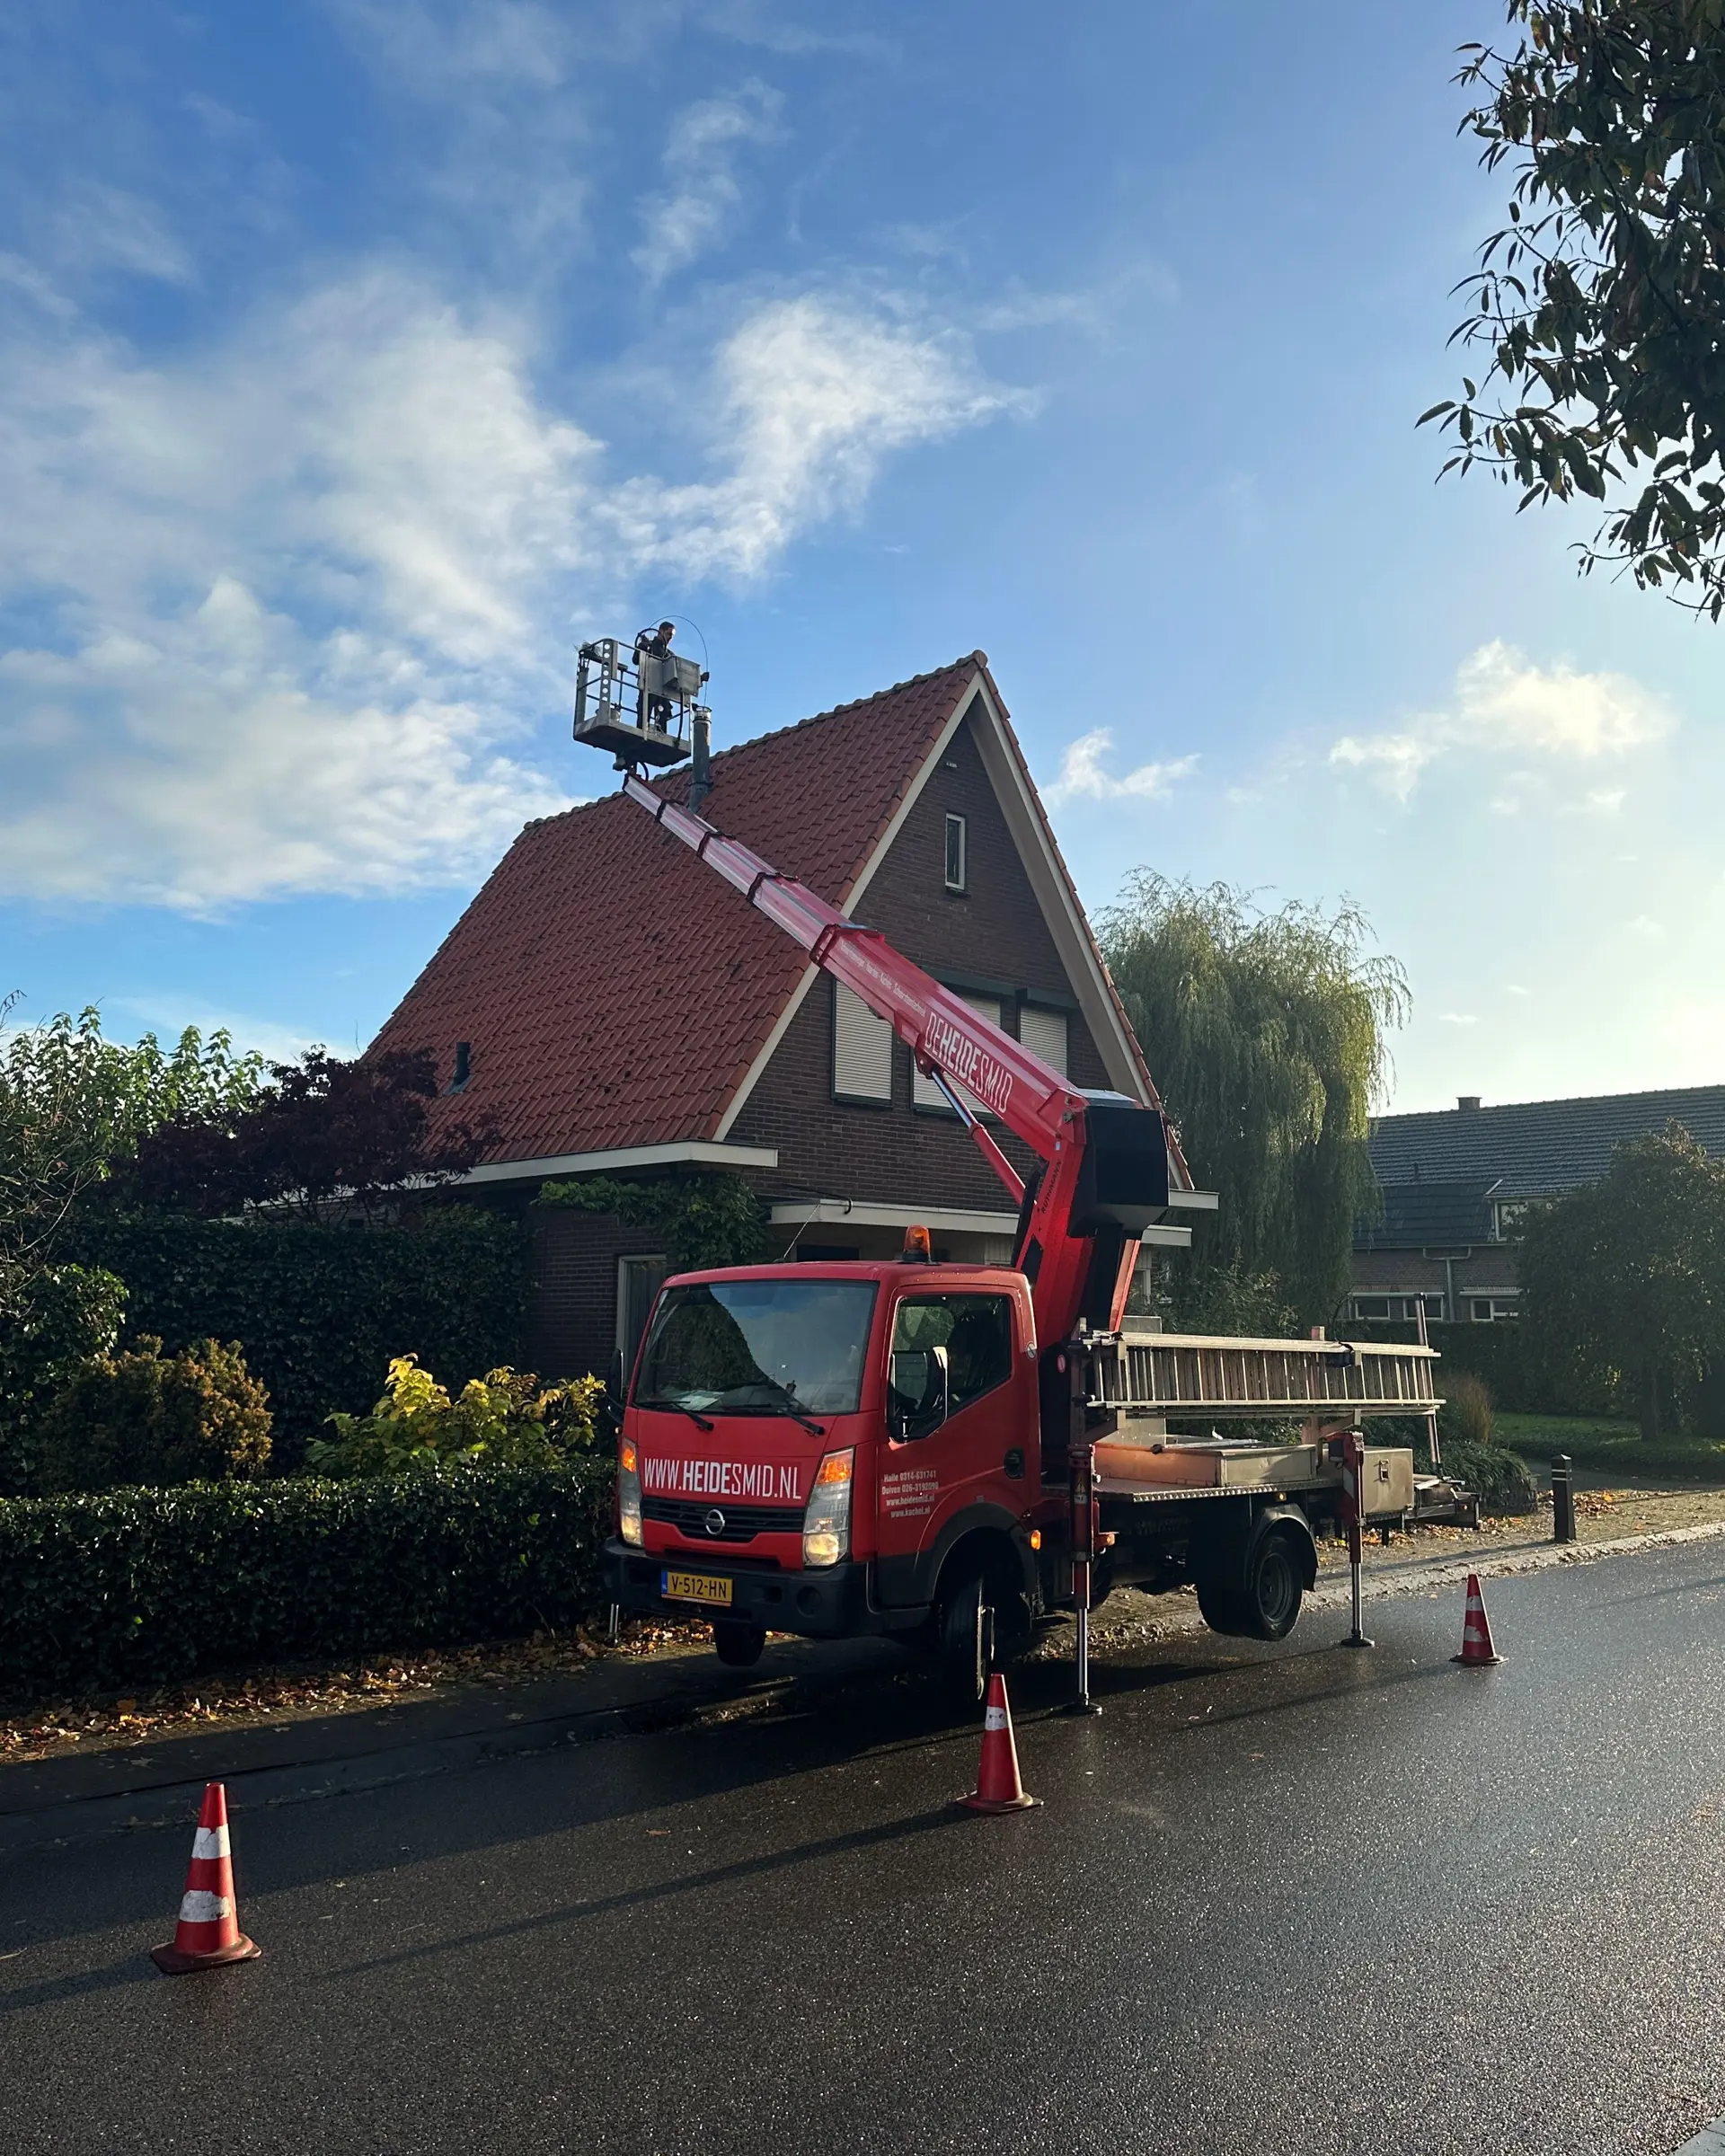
843, 1447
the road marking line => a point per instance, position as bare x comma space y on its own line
1709, 2142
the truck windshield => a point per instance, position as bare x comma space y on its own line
758, 1348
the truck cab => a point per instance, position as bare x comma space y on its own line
832, 1449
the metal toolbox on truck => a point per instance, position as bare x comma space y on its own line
1385, 1481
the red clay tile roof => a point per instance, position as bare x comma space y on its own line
615, 991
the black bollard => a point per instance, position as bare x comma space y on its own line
1563, 1499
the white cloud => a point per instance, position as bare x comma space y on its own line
1457, 1018
1083, 777
812, 394
1504, 703
702, 196
309, 588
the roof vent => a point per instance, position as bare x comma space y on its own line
1467, 1102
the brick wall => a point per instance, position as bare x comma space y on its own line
573, 1314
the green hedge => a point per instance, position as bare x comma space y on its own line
320, 1310
146, 1587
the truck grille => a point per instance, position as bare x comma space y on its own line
740, 1522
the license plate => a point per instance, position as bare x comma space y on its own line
694, 1586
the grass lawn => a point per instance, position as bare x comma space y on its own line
1600, 1441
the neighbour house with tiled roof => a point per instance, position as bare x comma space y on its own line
1455, 1181
610, 1005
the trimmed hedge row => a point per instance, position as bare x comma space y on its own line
320, 1309
146, 1586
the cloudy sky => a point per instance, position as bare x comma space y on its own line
360, 356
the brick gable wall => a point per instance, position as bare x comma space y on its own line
991, 936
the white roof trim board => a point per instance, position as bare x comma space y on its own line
702, 1153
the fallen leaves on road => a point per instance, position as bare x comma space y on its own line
103, 1722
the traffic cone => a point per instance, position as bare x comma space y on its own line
1477, 1650
998, 1788
207, 1934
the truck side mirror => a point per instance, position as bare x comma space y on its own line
615, 1380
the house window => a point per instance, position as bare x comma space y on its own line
638, 1280
1492, 1310
1506, 1217
955, 853
925, 1093
1395, 1310
1044, 1034
862, 1050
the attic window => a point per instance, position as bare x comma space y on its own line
955, 853
464, 1066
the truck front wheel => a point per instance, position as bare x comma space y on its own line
970, 1605
1266, 1603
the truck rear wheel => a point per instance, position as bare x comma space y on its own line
1265, 1605
737, 1646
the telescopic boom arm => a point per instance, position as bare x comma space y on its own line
1107, 1158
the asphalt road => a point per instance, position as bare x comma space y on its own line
1288, 1899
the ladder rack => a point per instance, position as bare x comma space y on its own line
1182, 1374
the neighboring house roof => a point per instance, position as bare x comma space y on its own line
1419, 1215
620, 996
1536, 1148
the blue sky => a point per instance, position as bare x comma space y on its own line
362, 354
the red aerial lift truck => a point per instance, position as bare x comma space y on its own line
948, 1453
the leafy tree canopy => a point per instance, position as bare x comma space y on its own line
324, 1129
1265, 1032
1629, 1274
1599, 309
72, 1105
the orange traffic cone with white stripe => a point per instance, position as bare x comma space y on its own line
998, 1788
208, 1935
1477, 1650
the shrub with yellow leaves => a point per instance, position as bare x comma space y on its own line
506, 1418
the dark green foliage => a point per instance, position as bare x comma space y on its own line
321, 1310
142, 1417
1502, 1479
706, 1219
1598, 307
61, 1316
1265, 1032
148, 1587
1629, 1275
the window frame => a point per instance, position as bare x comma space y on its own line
958, 824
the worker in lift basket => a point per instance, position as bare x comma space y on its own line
652, 708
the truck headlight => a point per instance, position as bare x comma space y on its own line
628, 1493
826, 1522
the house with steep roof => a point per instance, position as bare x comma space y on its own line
1455, 1180
608, 1004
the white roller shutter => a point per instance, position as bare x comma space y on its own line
861, 1049
924, 1092
1044, 1034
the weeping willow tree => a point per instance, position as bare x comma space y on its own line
1267, 1035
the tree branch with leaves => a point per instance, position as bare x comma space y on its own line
1599, 307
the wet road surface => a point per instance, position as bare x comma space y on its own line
1290, 1899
